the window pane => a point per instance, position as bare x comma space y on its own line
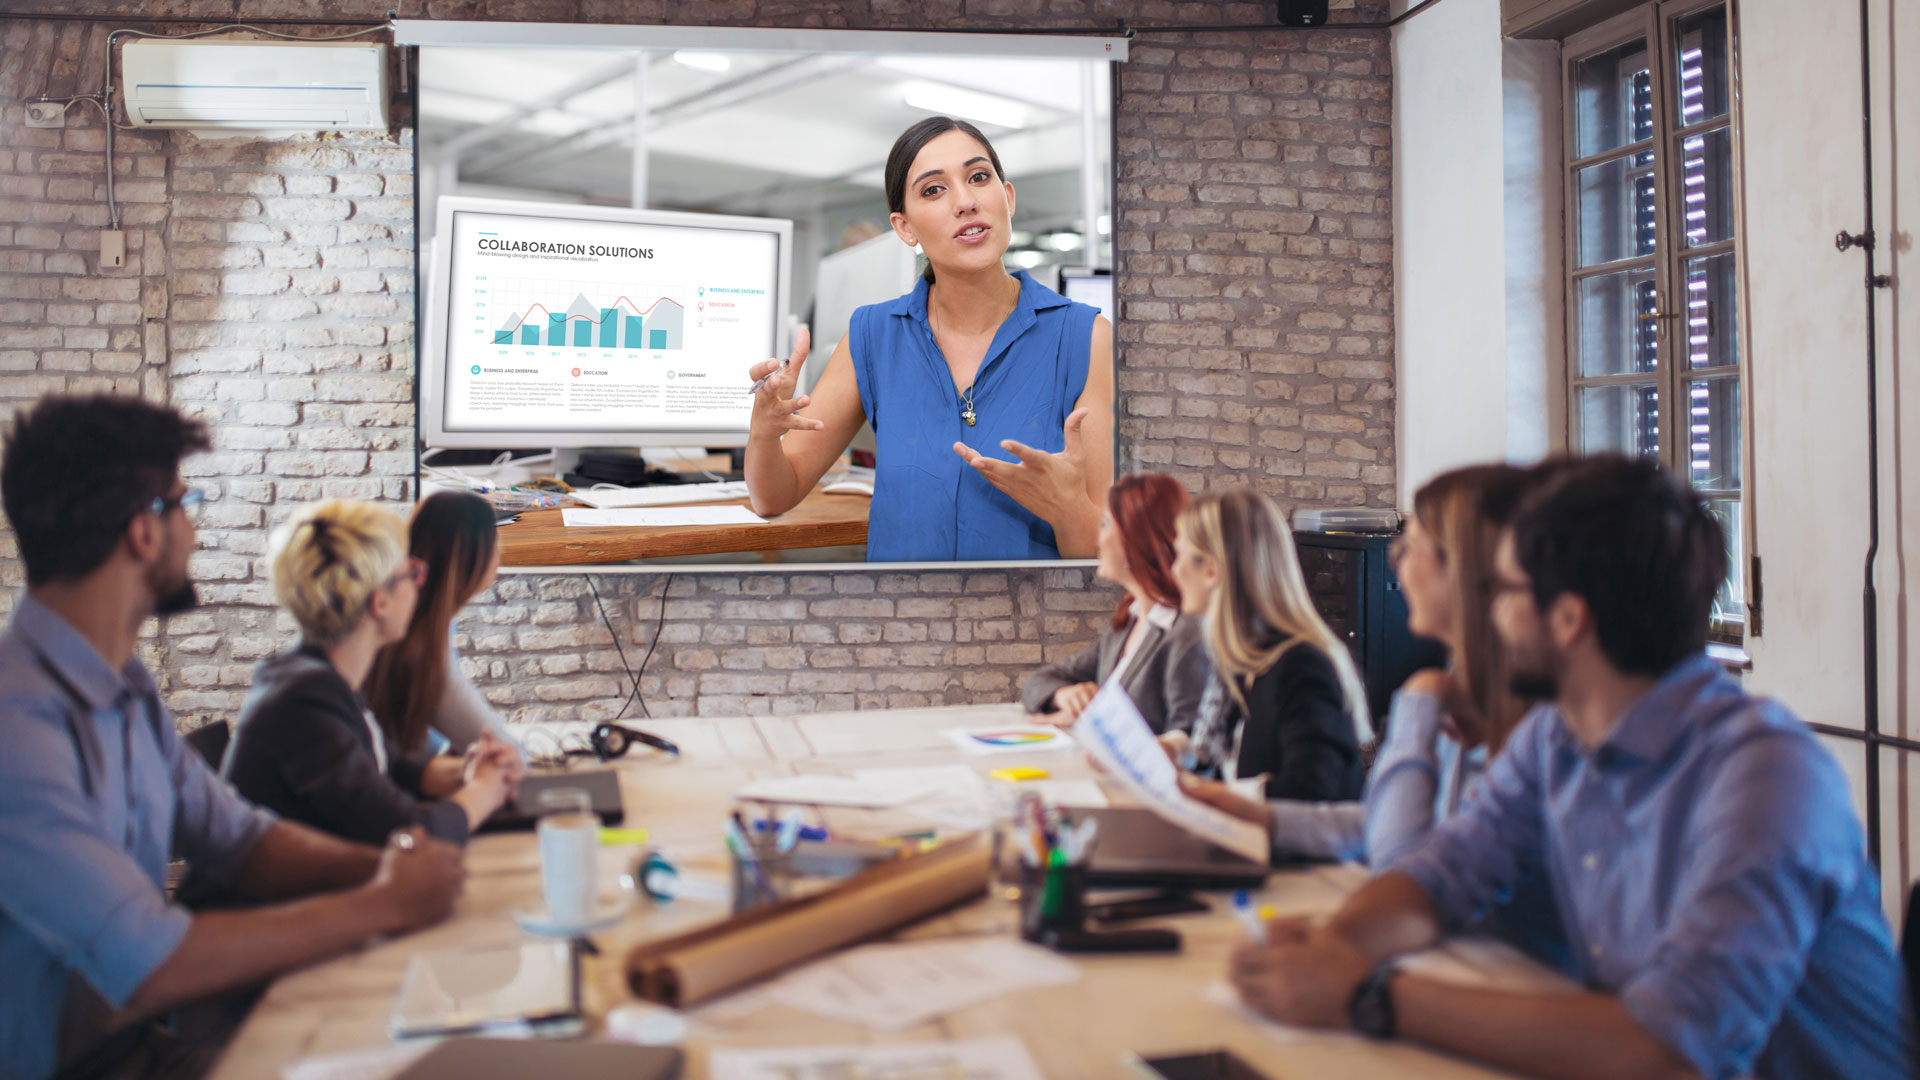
1623, 418
1613, 337
1713, 433
1616, 209
1705, 167
1700, 66
1612, 99
1730, 603
1712, 317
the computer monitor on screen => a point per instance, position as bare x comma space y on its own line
556, 325
1089, 287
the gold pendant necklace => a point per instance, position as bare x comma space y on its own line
966, 412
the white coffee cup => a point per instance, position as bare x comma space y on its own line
569, 855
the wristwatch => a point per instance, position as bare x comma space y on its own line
1370, 1010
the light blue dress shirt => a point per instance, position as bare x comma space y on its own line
1708, 868
928, 504
97, 792
1420, 777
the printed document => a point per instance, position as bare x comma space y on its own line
1115, 733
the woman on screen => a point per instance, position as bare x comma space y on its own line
973, 363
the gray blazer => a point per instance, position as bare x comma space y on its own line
1169, 673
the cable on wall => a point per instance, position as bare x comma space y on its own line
633, 677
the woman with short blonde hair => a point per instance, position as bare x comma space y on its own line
306, 746
1289, 704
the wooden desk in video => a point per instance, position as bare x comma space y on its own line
821, 520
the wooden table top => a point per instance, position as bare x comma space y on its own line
1144, 1004
821, 520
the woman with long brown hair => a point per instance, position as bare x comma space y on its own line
416, 685
1442, 725
1157, 649
1287, 702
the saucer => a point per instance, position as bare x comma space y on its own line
606, 913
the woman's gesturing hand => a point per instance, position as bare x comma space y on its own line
775, 410
1053, 486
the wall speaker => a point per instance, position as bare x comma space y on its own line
1303, 12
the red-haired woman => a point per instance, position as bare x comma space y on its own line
1158, 651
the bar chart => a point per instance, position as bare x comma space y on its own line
588, 315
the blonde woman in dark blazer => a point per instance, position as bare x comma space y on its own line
1288, 704
1158, 650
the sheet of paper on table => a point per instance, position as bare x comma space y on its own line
1008, 739
1115, 733
895, 986
869, 788
1000, 1058
658, 517
951, 796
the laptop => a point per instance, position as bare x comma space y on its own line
1138, 848
601, 785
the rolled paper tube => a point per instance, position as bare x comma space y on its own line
689, 968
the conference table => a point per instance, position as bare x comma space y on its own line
327, 1015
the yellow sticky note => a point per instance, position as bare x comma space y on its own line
1019, 773
610, 837
1268, 912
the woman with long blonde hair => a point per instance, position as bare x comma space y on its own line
1287, 702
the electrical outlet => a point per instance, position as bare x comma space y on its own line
113, 248
46, 114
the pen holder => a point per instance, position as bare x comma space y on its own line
1052, 899
763, 880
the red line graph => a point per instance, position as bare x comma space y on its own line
522, 321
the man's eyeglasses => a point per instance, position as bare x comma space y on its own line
188, 501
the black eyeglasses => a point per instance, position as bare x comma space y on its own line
188, 501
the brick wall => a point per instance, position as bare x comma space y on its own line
268, 289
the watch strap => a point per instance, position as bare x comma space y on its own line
1370, 1009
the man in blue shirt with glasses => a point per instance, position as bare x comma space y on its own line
98, 792
1704, 856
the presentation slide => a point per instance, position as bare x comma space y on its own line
577, 325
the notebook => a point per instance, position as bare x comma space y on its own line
528, 988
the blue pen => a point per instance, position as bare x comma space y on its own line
813, 833
1243, 910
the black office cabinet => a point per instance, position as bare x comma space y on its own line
1358, 595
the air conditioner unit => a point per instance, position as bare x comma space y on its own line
253, 85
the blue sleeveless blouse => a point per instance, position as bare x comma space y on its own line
928, 504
